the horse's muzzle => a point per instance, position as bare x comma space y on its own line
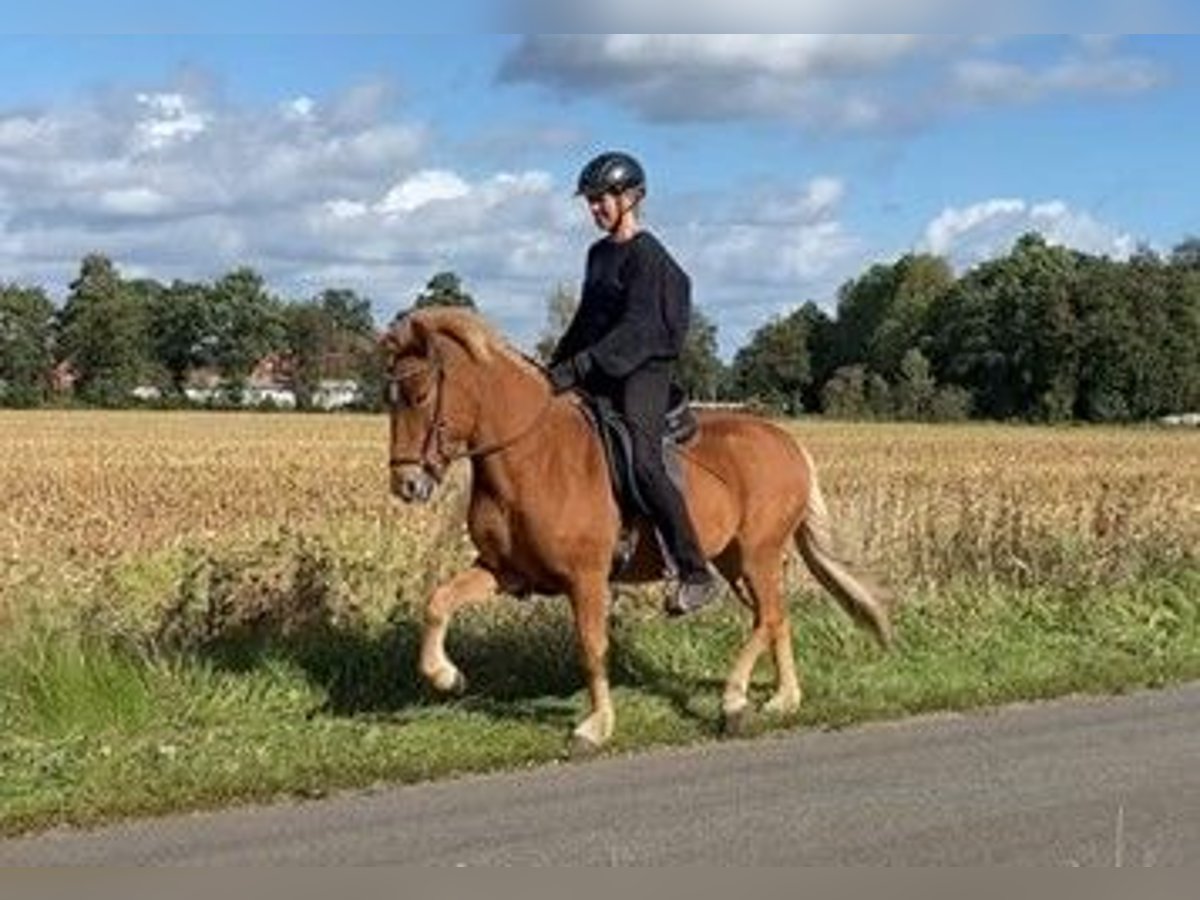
413, 484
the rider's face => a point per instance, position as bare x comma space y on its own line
608, 210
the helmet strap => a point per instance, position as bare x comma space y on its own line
628, 211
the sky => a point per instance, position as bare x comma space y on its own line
339, 154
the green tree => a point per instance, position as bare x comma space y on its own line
821, 341
355, 353
308, 335
103, 333
561, 305
330, 336
1008, 332
774, 368
1044, 329
701, 372
246, 325
916, 388
444, 289
918, 282
1184, 346
26, 345
1166, 302
182, 331
864, 304
348, 313
1109, 345
1187, 253
844, 395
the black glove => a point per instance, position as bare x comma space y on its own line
568, 373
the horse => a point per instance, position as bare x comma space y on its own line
543, 517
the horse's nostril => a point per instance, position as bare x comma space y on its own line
426, 491
413, 487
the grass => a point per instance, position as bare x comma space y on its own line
184, 656
102, 727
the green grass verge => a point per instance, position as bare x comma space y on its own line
104, 726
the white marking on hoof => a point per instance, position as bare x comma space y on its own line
448, 680
783, 704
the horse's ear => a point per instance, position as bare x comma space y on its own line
389, 341
407, 334
422, 334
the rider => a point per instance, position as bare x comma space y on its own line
622, 344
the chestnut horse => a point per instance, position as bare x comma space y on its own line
543, 518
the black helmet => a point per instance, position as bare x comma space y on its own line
611, 173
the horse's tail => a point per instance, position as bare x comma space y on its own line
866, 603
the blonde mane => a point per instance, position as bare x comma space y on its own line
467, 329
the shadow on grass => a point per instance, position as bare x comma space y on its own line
520, 658
522, 668
289, 604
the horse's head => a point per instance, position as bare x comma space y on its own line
431, 396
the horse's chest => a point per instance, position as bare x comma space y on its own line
491, 528
507, 543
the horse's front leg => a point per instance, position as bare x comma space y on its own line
589, 601
475, 585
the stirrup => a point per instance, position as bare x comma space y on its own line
688, 597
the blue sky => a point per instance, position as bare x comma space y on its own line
780, 165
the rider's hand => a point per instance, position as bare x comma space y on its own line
568, 373
562, 377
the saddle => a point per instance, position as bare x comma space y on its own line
613, 431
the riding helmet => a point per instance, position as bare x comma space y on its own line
611, 173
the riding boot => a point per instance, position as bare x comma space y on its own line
695, 586
689, 596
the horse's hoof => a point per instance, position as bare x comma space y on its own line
583, 748
737, 723
455, 686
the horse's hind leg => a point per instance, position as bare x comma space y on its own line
475, 585
763, 575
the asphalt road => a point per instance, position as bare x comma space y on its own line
1088, 782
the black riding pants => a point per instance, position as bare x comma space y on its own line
642, 398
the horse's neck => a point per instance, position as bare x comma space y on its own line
518, 415
512, 397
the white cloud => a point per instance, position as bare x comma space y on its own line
767, 15
932, 16
848, 82
300, 109
802, 55
989, 80
765, 252
133, 201
169, 117
680, 77
421, 189
317, 192
180, 182
971, 234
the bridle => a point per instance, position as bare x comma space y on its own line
434, 457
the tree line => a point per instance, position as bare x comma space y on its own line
1043, 333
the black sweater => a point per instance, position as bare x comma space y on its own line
635, 307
